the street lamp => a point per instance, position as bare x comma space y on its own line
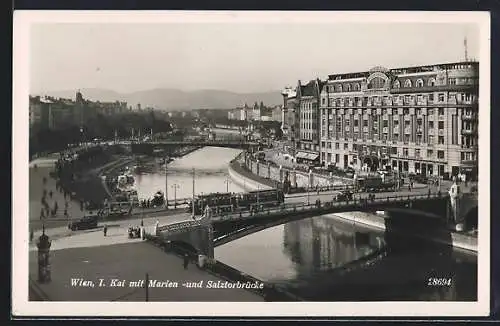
193, 195
175, 187
258, 190
227, 181
166, 183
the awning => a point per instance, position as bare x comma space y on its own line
302, 155
307, 156
312, 157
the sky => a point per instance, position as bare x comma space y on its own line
246, 57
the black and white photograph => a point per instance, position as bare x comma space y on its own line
242, 163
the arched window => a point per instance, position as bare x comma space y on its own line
396, 84
420, 83
407, 83
339, 88
357, 87
376, 82
348, 88
431, 82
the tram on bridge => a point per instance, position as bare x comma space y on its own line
237, 201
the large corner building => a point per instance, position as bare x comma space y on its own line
419, 119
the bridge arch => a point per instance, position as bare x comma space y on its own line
184, 247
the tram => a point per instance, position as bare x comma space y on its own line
238, 201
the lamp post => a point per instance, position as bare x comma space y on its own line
166, 184
227, 181
398, 175
192, 204
258, 190
175, 187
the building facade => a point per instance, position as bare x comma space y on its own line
307, 143
56, 113
290, 117
419, 119
39, 109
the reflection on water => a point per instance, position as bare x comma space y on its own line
328, 259
301, 249
321, 258
210, 164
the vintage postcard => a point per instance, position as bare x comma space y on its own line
253, 163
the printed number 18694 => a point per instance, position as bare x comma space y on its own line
435, 281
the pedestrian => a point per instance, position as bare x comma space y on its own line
186, 261
105, 230
31, 235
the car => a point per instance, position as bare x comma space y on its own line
85, 223
345, 195
419, 178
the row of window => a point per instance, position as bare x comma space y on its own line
418, 153
355, 146
378, 82
406, 112
421, 99
385, 123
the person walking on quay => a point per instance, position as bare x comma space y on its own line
105, 230
186, 261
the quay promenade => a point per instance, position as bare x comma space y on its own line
128, 261
88, 254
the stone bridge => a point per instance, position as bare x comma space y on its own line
149, 146
201, 236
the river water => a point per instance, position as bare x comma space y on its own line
322, 258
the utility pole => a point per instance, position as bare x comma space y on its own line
227, 182
175, 186
166, 184
192, 205
258, 191
465, 49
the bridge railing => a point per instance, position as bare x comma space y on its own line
357, 202
180, 226
200, 142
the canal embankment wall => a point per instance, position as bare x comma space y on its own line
247, 180
298, 178
241, 176
269, 291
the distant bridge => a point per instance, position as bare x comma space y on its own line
193, 142
209, 231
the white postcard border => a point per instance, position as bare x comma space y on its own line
20, 183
